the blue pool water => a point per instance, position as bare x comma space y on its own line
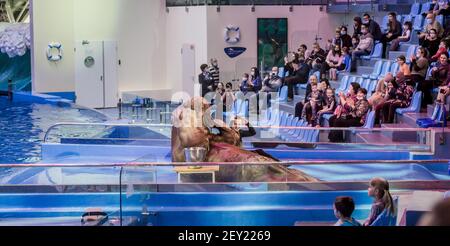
23, 126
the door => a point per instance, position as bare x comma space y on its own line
111, 63
89, 79
189, 84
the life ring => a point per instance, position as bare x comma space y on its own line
54, 56
232, 34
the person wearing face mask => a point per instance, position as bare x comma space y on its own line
316, 58
364, 47
374, 27
272, 82
357, 24
337, 40
394, 31
215, 71
334, 60
390, 95
346, 39
354, 115
256, 80
431, 42
431, 24
419, 72
206, 80
378, 97
246, 84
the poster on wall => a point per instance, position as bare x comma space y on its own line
272, 42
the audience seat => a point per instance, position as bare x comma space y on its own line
344, 84
410, 52
440, 19
376, 71
425, 8
370, 121
415, 9
407, 18
372, 88
418, 23
386, 69
282, 96
281, 72
415, 105
394, 69
376, 52
385, 218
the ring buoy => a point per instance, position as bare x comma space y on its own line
232, 34
51, 54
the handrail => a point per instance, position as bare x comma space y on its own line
287, 163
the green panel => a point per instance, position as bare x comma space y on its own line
272, 42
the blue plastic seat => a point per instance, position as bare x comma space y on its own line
425, 8
359, 80
418, 23
370, 120
365, 84
399, 18
344, 84
407, 18
376, 70
372, 88
386, 218
440, 19
386, 69
242, 108
281, 72
415, 9
410, 52
376, 52
394, 68
282, 96
384, 24
239, 95
415, 105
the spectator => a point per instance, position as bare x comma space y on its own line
329, 105
394, 31
228, 98
246, 84
431, 42
337, 40
402, 66
354, 115
215, 71
443, 48
255, 77
440, 73
355, 43
303, 52
357, 24
431, 24
379, 190
220, 90
346, 39
403, 98
374, 27
313, 104
443, 96
272, 82
390, 96
365, 46
316, 58
334, 60
299, 75
418, 74
205, 79
405, 37
343, 210
378, 97
299, 106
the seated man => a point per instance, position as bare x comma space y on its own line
272, 82
364, 47
431, 24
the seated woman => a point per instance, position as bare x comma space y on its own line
255, 77
419, 72
299, 106
354, 116
246, 83
394, 31
403, 98
343, 210
389, 97
334, 60
378, 96
431, 42
440, 73
405, 37
329, 105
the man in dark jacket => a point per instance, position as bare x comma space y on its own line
206, 80
299, 75
374, 27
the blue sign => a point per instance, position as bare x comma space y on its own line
233, 52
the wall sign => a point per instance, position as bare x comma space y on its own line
232, 34
233, 52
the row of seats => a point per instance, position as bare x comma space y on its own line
282, 119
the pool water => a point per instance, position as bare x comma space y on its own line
23, 126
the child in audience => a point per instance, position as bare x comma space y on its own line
329, 104
379, 190
314, 104
343, 210
405, 37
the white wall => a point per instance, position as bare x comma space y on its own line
137, 25
185, 28
49, 26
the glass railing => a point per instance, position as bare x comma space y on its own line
132, 193
268, 136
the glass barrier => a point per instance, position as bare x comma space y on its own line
280, 132
135, 193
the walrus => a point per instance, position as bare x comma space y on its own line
193, 128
